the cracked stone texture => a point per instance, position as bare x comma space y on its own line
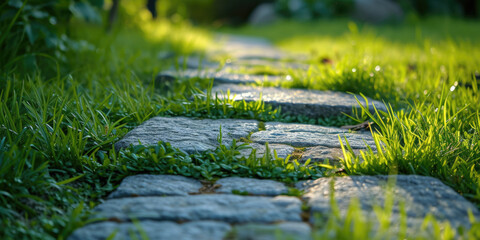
200, 230
422, 196
252, 186
280, 231
320, 153
156, 185
304, 135
187, 134
310, 103
217, 76
282, 150
216, 207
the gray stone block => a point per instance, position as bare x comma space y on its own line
320, 153
200, 230
216, 207
187, 134
156, 185
217, 76
421, 195
310, 103
280, 231
251, 186
304, 135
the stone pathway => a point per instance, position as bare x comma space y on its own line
176, 207
321, 142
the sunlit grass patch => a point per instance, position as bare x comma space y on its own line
438, 139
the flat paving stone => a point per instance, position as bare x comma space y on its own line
282, 150
156, 185
196, 62
240, 47
217, 76
422, 196
280, 231
304, 135
199, 230
251, 186
216, 207
273, 64
320, 153
310, 103
188, 134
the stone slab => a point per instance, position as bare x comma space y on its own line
242, 47
251, 186
188, 134
310, 103
282, 150
272, 64
200, 230
217, 76
196, 62
422, 196
320, 153
215, 207
304, 135
280, 231
156, 185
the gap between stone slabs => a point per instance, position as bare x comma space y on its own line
161, 207
192, 136
309, 103
252, 216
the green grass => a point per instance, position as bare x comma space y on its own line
58, 125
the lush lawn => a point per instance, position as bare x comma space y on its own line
58, 124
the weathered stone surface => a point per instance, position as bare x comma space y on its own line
422, 196
187, 134
280, 231
217, 76
249, 48
272, 64
320, 153
282, 150
252, 186
304, 135
310, 103
207, 230
194, 63
156, 185
216, 207
239, 47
